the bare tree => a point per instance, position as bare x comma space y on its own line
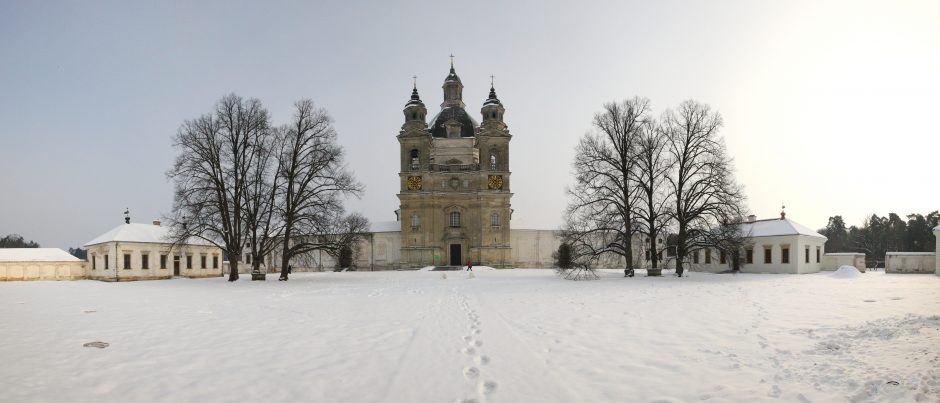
313, 183
262, 224
652, 210
600, 214
211, 173
701, 179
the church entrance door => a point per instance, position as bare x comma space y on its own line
455, 254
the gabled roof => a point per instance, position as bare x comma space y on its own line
36, 255
777, 227
134, 232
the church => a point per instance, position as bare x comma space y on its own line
455, 182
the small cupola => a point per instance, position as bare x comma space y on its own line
492, 108
453, 88
415, 109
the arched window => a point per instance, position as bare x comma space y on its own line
455, 219
414, 159
414, 220
494, 219
493, 160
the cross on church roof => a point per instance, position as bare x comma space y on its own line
492, 78
451, 60
414, 81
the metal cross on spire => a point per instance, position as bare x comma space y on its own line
414, 82
451, 60
492, 79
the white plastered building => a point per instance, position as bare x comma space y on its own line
778, 245
135, 251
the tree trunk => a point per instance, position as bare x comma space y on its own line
680, 250
654, 270
285, 253
233, 270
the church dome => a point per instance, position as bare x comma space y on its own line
438, 125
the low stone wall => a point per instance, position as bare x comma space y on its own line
26, 271
910, 262
833, 261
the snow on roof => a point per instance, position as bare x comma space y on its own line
36, 255
845, 254
777, 227
135, 232
385, 226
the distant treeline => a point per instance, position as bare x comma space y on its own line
879, 235
17, 241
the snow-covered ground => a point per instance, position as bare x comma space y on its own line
510, 336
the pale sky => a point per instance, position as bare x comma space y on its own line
830, 107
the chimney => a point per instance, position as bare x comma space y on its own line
156, 222
783, 212
751, 218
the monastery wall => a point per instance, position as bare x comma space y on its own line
833, 261
24, 271
910, 262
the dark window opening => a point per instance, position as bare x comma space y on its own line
767, 256
127, 261
785, 255
144, 261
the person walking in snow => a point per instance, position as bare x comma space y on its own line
469, 265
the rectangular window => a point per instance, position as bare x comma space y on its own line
94, 262
785, 255
750, 256
127, 261
494, 219
767, 255
695, 257
107, 262
215, 261
708, 256
144, 261
723, 258
455, 219
163, 261
189, 261
807, 254
647, 255
202, 261
817, 254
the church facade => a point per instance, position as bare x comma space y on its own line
454, 182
